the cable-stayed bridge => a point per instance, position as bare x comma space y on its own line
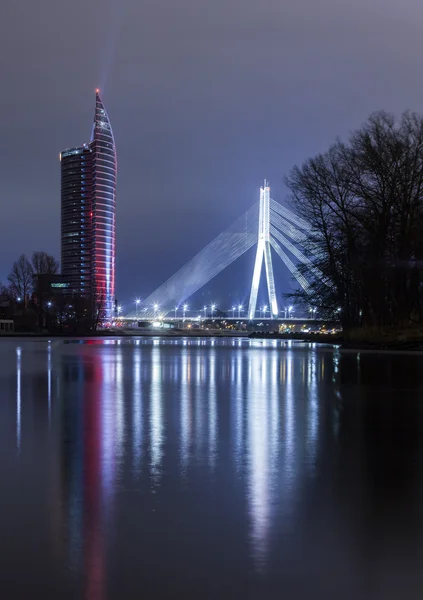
268, 225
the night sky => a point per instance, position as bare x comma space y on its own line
206, 98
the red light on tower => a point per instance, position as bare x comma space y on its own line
97, 91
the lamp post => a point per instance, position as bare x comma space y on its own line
156, 308
137, 304
239, 310
185, 308
205, 312
290, 309
233, 312
213, 308
176, 311
265, 310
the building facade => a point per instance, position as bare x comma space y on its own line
76, 226
88, 208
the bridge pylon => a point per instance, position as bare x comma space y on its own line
263, 252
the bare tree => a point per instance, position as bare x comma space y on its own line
44, 264
20, 279
364, 201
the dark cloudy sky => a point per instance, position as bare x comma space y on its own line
206, 97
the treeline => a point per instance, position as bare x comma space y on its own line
21, 277
364, 202
29, 300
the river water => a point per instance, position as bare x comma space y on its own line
163, 468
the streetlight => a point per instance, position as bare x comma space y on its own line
233, 312
265, 310
176, 310
137, 304
185, 307
290, 309
239, 310
205, 311
213, 308
156, 308
119, 309
19, 299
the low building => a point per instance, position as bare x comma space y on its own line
6, 326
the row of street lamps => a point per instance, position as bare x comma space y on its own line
239, 308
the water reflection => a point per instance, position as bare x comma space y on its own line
156, 417
261, 450
185, 410
18, 397
212, 414
49, 380
137, 412
250, 453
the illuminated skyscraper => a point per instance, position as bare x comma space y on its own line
88, 213
76, 167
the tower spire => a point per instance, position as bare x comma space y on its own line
263, 251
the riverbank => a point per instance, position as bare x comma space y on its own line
381, 343
168, 333
335, 340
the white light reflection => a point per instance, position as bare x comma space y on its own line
237, 363
289, 466
156, 418
49, 380
137, 412
289, 412
119, 407
186, 413
213, 418
200, 401
336, 380
18, 397
313, 410
263, 430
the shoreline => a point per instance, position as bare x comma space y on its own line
335, 341
406, 345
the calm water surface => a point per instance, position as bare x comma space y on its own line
209, 469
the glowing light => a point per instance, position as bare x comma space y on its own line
264, 229
18, 397
263, 252
156, 419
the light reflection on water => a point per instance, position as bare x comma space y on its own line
206, 451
